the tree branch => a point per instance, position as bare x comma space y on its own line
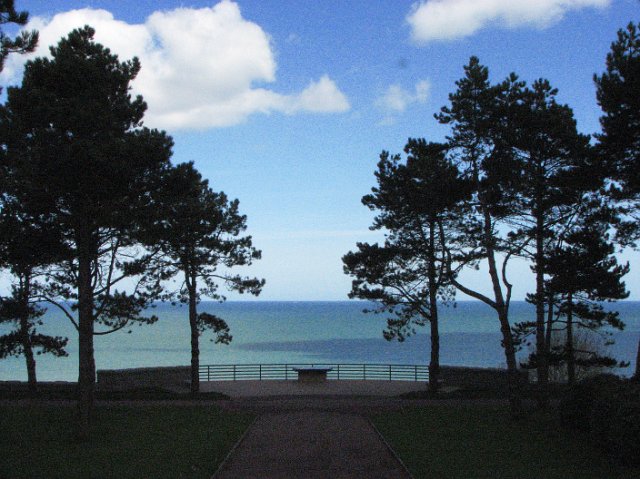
63, 309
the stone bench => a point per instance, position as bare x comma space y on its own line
312, 375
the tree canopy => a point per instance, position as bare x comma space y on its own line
76, 148
619, 142
415, 202
24, 42
196, 235
28, 246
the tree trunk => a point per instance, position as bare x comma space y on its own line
637, 375
434, 363
195, 336
515, 401
513, 377
571, 360
32, 380
549, 331
87, 367
25, 333
541, 350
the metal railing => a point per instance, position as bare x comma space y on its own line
264, 372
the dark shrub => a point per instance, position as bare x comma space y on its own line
576, 406
615, 422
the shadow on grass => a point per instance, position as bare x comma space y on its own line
480, 441
156, 441
555, 391
67, 391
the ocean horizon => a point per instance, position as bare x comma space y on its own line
301, 332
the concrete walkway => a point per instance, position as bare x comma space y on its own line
312, 429
311, 444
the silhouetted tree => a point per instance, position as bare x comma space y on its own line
551, 158
619, 143
415, 203
583, 273
196, 234
76, 149
481, 146
26, 249
24, 42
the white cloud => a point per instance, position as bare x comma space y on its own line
322, 96
201, 68
397, 99
451, 19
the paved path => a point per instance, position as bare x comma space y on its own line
311, 444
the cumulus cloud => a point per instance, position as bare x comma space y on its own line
201, 68
397, 99
452, 19
322, 96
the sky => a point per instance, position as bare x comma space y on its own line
287, 104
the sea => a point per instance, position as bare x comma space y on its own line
301, 332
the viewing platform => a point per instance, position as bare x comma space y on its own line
271, 380
328, 371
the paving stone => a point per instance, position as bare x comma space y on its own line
312, 444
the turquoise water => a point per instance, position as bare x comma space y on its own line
279, 332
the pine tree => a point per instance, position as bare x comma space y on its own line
78, 155
27, 248
416, 204
583, 273
554, 172
196, 234
481, 145
24, 42
619, 143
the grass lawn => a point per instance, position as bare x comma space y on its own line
481, 442
158, 441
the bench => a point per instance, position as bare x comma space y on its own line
312, 375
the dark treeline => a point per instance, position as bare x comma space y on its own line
95, 219
514, 179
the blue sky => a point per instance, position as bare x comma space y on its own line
287, 104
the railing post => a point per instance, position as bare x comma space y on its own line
234, 372
415, 368
208, 372
364, 372
338, 372
260, 371
389, 372
286, 372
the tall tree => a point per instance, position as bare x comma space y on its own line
584, 273
196, 233
480, 144
24, 42
75, 146
416, 204
27, 247
619, 143
551, 158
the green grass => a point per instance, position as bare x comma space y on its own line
160, 441
452, 442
